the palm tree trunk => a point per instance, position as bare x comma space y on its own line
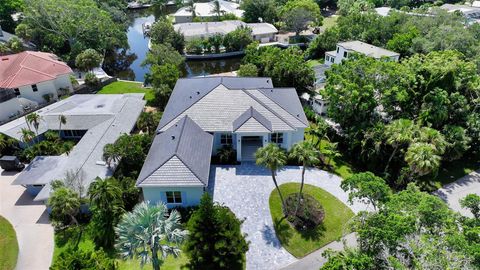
390, 159
301, 190
284, 208
155, 261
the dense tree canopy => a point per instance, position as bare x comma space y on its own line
7, 9
435, 94
259, 11
287, 68
412, 230
68, 27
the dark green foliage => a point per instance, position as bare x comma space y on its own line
51, 146
472, 202
91, 80
310, 212
162, 32
162, 94
106, 206
287, 68
8, 8
87, 60
348, 260
226, 155
247, 70
76, 259
147, 122
215, 240
254, 10
367, 187
238, 39
64, 206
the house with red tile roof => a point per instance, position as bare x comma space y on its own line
31, 78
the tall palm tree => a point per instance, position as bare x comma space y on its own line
422, 158
107, 207
62, 120
147, 230
27, 135
398, 133
433, 137
272, 158
190, 5
34, 119
111, 154
307, 154
217, 9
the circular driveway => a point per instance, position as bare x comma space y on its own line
246, 189
31, 224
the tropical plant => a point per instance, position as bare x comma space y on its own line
273, 158
149, 230
64, 205
215, 240
107, 207
248, 70
34, 119
307, 154
72, 258
398, 133
27, 135
227, 155
190, 6
472, 202
147, 122
422, 158
217, 9
88, 60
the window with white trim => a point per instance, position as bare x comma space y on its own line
226, 139
276, 138
174, 196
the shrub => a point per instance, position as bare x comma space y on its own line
194, 46
47, 97
226, 155
310, 212
238, 39
248, 70
91, 79
215, 240
80, 259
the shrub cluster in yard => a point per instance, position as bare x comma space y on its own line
236, 40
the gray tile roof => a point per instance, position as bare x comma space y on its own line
215, 103
249, 121
179, 156
105, 117
367, 49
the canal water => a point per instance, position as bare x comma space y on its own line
127, 64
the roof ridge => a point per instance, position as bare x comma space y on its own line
296, 117
185, 118
190, 169
269, 109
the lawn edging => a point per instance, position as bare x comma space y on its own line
337, 216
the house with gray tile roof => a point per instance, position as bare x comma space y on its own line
204, 115
93, 120
345, 48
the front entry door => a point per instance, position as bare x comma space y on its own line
250, 144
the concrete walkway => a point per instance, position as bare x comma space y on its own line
454, 192
315, 260
30, 220
246, 190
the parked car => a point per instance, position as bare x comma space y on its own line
11, 163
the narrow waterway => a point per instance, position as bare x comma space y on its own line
127, 64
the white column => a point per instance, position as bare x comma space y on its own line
239, 147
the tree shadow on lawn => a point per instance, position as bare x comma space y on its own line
313, 234
283, 230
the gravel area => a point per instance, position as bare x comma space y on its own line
246, 188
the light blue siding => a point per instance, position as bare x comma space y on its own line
190, 195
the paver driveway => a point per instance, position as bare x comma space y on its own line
453, 192
30, 220
246, 188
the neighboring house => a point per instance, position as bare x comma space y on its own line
471, 13
262, 32
93, 120
206, 11
345, 48
6, 37
34, 77
205, 114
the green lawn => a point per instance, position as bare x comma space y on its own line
8, 245
334, 226
315, 62
122, 87
62, 241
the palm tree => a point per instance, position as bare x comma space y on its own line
217, 9
190, 5
272, 158
318, 132
433, 137
148, 230
34, 119
110, 154
399, 132
306, 153
422, 158
62, 120
27, 135
107, 206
